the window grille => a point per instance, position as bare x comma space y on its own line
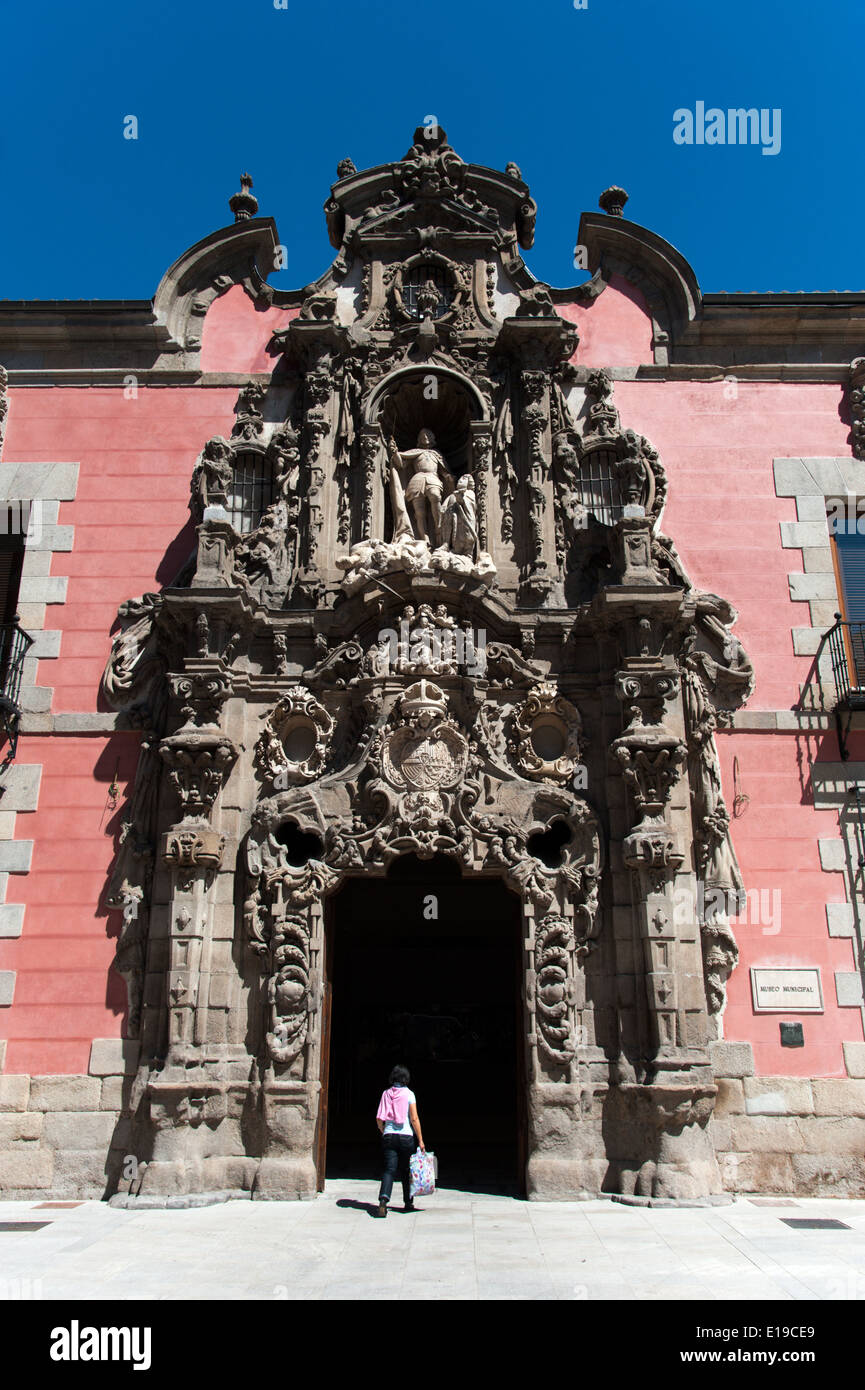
418, 276
14, 643
599, 486
251, 491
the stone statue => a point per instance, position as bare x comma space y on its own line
434, 523
460, 519
261, 555
430, 478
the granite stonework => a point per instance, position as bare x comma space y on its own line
70, 1136
64, 1136
430, 615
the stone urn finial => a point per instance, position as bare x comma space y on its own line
243, 204
613, 200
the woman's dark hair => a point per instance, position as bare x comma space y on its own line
399, 1077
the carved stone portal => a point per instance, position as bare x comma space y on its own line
446, 625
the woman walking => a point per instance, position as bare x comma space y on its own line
398, 1123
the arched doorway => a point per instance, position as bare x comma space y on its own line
424, 967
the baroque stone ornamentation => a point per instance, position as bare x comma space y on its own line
295, 738
212, 476
370, 560
193, 847
249, 421
555, 987
546, 743
440, 593
197, 764
202, 695
857, 406
4, 403
426, 753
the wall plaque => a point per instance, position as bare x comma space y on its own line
787, 991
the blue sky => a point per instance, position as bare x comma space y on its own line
579, 99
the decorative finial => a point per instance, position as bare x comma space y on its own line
427, 299
613, 200
243, 204
345, 168
513, 171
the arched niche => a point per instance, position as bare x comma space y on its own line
434, 398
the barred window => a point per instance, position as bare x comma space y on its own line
15, 517
251, 491
599, 486
416, 278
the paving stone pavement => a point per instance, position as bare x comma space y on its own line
459, 1245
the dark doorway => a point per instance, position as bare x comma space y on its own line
440, 994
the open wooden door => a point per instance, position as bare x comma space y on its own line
521, 1065
326, 1015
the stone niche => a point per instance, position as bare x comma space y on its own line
441, 621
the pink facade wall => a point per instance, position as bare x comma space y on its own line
132, 533
236, 333
717, 448
65, 993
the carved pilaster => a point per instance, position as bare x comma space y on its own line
216, 541
318, 391
371, 453
633, 536
197, 760
193, 853
651, 759
482, 448
537, 582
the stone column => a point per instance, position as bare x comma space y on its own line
371, 453
184, 1092
538, 582
292, 1085
482, 450
657, 1110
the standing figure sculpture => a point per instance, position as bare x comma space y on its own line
430, 479
460, 519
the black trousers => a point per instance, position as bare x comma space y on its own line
396, 1150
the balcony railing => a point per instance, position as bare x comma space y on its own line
14, 645
846, 643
